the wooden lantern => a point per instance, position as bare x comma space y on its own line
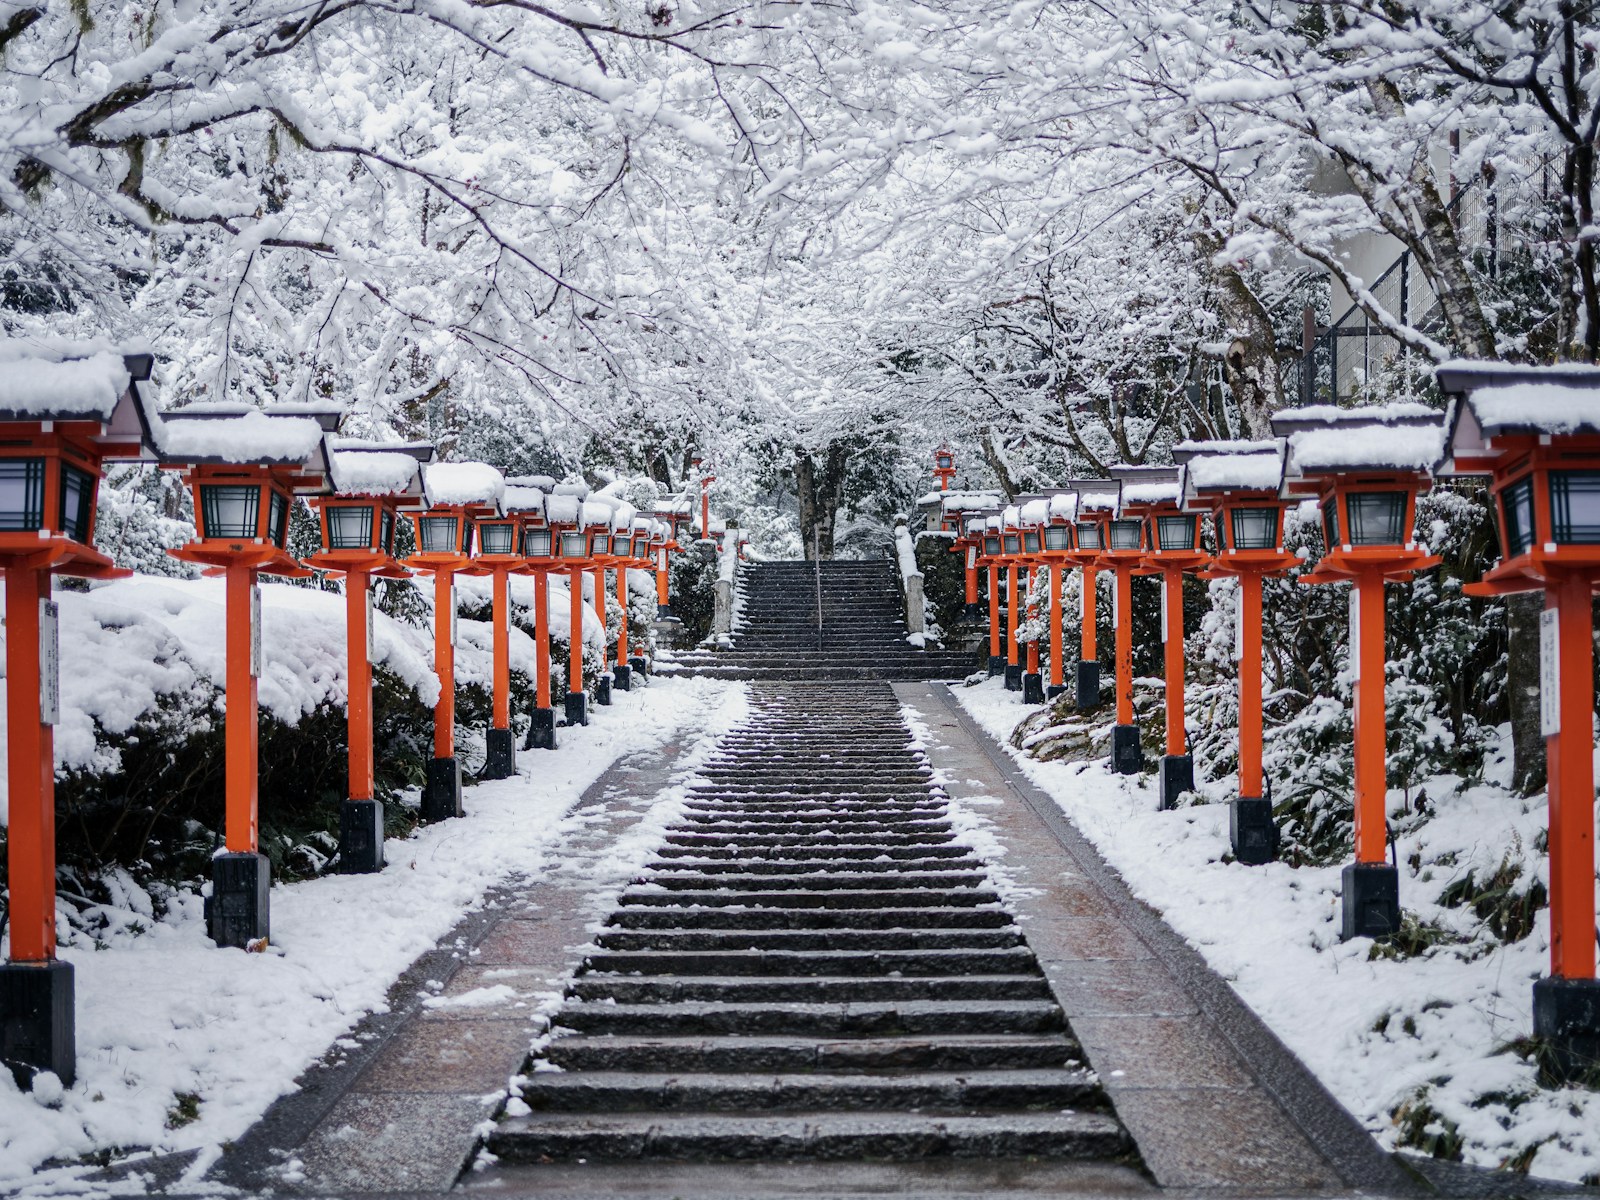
944, 467
242, 499
1364, 468
371, 483
1239, 484
456, 495
1536, 433
66, 409
1097, 503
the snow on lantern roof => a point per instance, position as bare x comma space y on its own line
977, 525
1036, 511
1097, 495
463, 483
1011, 517
1064, 506
1361, 446
966, 501
676, 504
53, 379
1149, 485
580, 490
544, 483
240, 435
523, 499
1182, 452
561, 510
594, 512
1502, 399
1257, 468
1313, 416
358, 468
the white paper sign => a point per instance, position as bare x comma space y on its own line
49, 663
455, 623
1238, 631
972, 557
255, 631
1083, 598
1549, 673
1355, 625
372, 625
1163, 612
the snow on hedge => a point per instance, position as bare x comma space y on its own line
1426, 1034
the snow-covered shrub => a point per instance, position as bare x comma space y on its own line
944, 579
142, 513
692, 580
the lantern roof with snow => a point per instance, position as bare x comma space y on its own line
95, 382
1215, 468
363, 468
1145, 487
1324, 440
1096, 497
1496, 401
474, 485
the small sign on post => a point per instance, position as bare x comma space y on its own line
372, 625
1549, 673
49, 663
1238, 629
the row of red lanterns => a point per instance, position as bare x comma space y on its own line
1534, 432
66, 413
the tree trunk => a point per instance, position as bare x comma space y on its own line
821, 493
1251, 360
1522, 691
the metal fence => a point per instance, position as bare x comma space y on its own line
1354, 358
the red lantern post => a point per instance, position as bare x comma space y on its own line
1034, 515
944, 467
1365, 468
1097, 502
1239, 484
1011, 559
565, 510
1536, 432
526, 498
1174, 548
987, 529
1061, 513
499, 552
1122, 546
242, 498
455, 495
65, 410
370, 482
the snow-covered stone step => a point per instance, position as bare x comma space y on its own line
792, 853
946, 1092
690, 940
945, 1052
819, 881
698, 1018
668, 989
833, 919
858, 898
794, 866
1003, 961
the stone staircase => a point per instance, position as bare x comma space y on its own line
862, 634
814, 967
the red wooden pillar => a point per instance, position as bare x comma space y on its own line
542, 736
359, 671
996, 663
577, 700
1057, 667
1123, 577
30, 759
1013, 663
1569, 760
1250, 717
1172, 655
241, 735
1371, 751
444, 663
1031, 585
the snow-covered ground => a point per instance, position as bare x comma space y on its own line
182, 1045
1379, 1032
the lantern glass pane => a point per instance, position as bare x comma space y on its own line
349, 526
77, 503
21, 494
574, 545
1330, 522
1575, 507
536, 543
1254, 528
1126, 535
1030, 541
277, 518
601, 544
1176, 533
438, 534
230, 510
1376, 518
499, 537
386, 542
991, 545
1088, 536
1057, 537
944, 460
1013, 544
1517, 516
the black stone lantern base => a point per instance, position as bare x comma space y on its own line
1371, 893
38, 1027
622, 677
972, 613
577, 708
542, 733
1566, 1017
1052, 690
360, 837
501, 760
1013, 677
1088, 685
441, 793
1251, 833
1032, 688
1127, 755
997, 665
239, 909
602, 689
664, 613
1177, 777
640, 665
